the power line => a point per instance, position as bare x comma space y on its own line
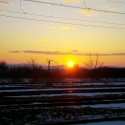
116, 1
73, 19
58, 17
16, 12
113, 1
59, 22
21, 6
76, 7
24, 12
49, 16
88, 7
85, 4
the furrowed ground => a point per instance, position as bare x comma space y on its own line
61, 102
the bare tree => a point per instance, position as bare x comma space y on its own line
89, 63
98, 64
94, 65
33, 62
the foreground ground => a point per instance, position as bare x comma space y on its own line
61, 102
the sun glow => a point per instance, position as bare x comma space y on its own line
70, 64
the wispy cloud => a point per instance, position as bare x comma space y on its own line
5, 3
88, 12
70, 1
62, 28
73, 52
15, 51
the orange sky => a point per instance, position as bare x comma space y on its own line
65, 41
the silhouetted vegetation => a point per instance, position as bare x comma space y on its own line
56, 73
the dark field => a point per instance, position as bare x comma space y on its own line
61, 102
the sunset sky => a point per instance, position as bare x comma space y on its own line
63, 31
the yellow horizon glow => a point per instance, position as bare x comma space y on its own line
62, 42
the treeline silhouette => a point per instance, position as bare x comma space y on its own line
27, 71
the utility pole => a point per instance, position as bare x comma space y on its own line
49, 61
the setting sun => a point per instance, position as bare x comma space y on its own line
70, 64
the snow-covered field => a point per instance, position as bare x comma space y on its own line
36, 103
105, 123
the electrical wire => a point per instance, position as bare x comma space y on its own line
76, 7
21, 7
16, 12
89, 8
116, 1
85, 4
23, 12
59, 22
64, 18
